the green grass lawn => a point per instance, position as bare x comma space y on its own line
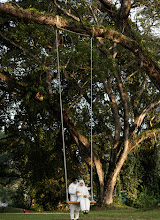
116, 214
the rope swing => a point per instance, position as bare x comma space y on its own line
61, 107
91, 129
62, 125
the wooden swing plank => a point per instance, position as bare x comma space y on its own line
93, 202
75, 202
72, 202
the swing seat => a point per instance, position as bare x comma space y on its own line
75, 202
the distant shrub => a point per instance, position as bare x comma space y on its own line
146, 199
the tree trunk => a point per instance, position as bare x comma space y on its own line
109, 189
100, 173
111, 179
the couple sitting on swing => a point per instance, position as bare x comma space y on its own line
79, 193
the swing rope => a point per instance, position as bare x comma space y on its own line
62, 124
61, 107
91, 128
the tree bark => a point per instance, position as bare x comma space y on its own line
100, 176
110, 181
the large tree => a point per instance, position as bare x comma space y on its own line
125, 75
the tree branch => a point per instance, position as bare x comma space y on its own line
125, 9
139, 119
16, 85
94, 16
12, 82
66, 12
124, 97
19, 47
142, 136
114, 107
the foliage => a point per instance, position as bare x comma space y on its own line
148, 15
146, 199
9, 175
139, 179
127, 188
